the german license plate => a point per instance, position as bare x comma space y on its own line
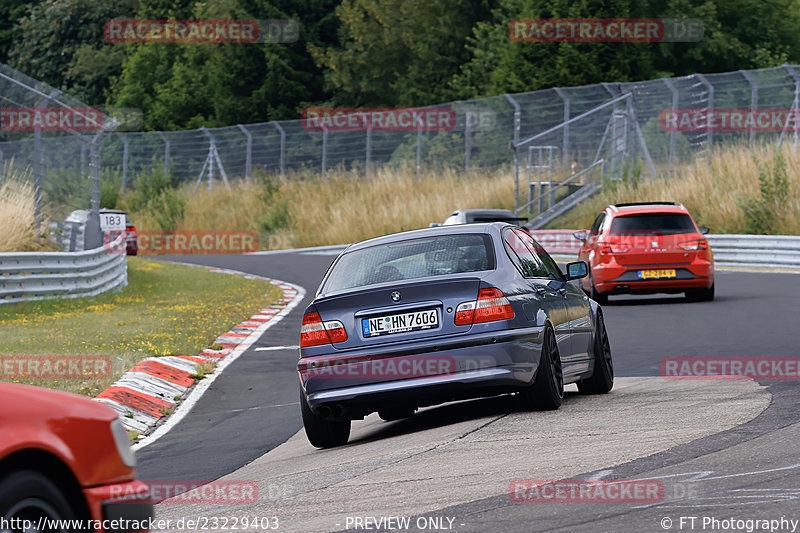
399, 323
657, 273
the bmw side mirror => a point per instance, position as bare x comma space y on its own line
703, 229
580, 235
577, 270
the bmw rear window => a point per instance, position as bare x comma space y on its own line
652, 224
411, 259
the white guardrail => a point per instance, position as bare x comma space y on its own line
756, 250
764, 251
45, 275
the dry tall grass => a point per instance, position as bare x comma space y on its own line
708, 189
342, 208
17, 230
345, 207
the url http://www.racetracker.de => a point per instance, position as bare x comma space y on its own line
203, 523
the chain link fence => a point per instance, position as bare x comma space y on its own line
541, 137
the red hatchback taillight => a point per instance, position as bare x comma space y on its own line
491, 305
613, 248
699, 244
314, 332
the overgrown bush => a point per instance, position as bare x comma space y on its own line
762, 213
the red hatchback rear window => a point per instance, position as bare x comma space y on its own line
652, 224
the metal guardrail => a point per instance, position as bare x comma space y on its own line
767, 251
26, 276
756, 250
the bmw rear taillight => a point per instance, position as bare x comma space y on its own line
699, 244
491, 305
613, 248
314, 332
335, 331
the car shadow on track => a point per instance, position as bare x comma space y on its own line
451, 413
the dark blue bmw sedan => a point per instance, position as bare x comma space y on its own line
441, 314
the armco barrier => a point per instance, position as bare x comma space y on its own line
756, 250
45, 275
770, 251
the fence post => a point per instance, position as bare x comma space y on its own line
419, 147
283, 148
709, 131
166, 153
672, 134
368, 148
565, 133
467, 134
517, 118
639, 135
125, 154
248, 163
324, 151
38, 159
795, 104
753, 102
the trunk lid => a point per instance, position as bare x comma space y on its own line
399, 311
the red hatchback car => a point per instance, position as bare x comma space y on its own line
66, 457
646, 248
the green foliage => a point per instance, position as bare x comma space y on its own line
398, 52
277, 214
762, 213
370, 53
167, 209
182, 86
155, 193
109, 194
276, 217
61, 43
10, 12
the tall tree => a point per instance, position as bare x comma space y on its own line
188, 85
398, 52
61, 43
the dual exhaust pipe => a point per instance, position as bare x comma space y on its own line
330, 409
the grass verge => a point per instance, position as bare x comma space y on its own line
166, 309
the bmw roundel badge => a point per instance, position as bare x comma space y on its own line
395, 296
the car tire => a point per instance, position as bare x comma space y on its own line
598, 297
701, 295
547, 391
602, 379
323, 433
399, 413
29, 495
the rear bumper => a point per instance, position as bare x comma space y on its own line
359, 382
120, 507
613, 278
